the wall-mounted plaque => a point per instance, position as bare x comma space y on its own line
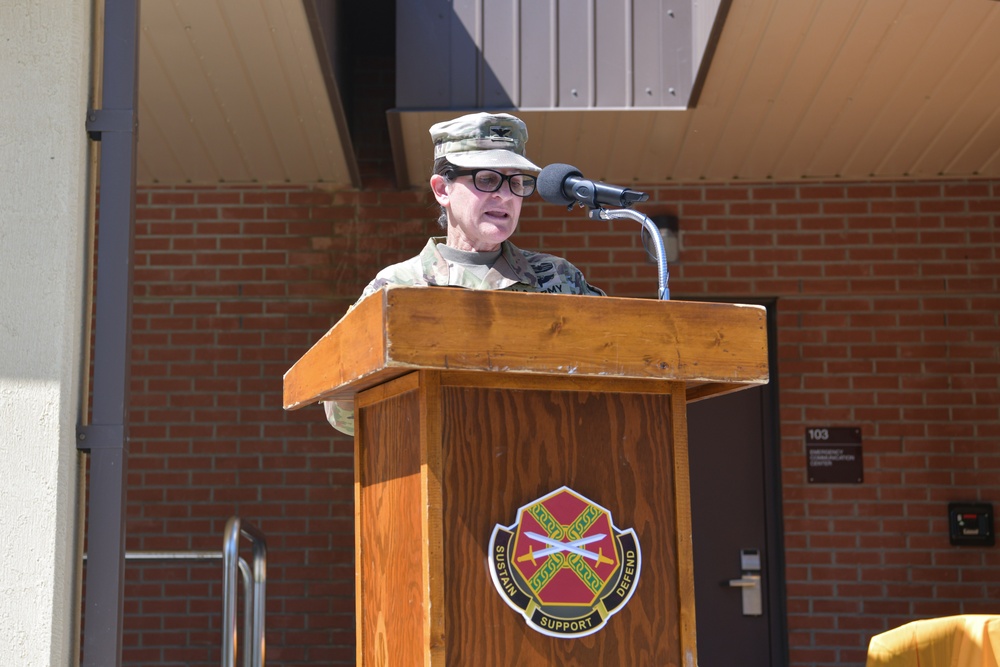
833, 455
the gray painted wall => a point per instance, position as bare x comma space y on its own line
541, 54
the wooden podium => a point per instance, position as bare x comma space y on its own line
472, 404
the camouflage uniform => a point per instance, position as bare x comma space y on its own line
525, 271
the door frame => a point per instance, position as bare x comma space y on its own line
773, 491
773, 514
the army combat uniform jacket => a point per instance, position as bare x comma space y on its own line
515, 270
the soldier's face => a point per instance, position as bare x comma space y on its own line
477, 220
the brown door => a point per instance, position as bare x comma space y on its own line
736, 530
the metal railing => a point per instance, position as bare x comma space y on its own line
253, 597
254, 582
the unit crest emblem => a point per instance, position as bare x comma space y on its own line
563, 565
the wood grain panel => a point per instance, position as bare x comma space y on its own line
348, 352
697, 392
553, 383
683, 531
505, 448
585, 336
410, 328
390, 531
431, 515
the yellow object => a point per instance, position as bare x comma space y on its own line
953, 641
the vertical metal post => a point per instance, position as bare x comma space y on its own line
106, 438
230, 556
254, 598
248, 613
259, 543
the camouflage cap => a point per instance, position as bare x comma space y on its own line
483, 140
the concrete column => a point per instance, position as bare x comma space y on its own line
44, 82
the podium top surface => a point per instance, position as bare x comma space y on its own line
711, 347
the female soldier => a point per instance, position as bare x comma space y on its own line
480, 178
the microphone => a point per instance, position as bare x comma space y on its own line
564, 184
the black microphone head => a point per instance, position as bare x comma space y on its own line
551, 180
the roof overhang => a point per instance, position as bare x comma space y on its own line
834, 89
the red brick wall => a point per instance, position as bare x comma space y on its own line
888, 320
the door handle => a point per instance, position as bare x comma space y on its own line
745, 582
753, 601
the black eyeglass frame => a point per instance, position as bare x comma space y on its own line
455, 173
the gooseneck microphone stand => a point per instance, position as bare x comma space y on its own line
564, 184
662, 270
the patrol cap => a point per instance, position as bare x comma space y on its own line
483, 141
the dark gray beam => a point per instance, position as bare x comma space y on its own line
107, 437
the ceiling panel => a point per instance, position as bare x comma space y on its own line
849, 89
883, 75
233, 91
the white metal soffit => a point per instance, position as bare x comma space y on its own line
232, 91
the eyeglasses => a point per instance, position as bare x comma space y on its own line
487, 180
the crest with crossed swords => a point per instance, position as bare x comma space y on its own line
563, 565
